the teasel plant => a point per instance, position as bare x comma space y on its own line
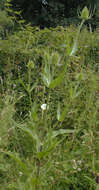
85, 14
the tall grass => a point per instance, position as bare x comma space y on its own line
49, 106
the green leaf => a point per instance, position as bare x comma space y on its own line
71, 92
17, 12
68, 47
21, 21
57, 81
34, 136
47, 76
58, 112
34, 111
47, 79
22, 83
62, 132
63, 114
46, 152
18, 160
74, 49
97, 187
33, 87
9, 10
74, 93
30, 64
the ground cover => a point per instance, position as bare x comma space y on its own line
49, 109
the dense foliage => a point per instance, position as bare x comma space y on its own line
50, 13
49, 106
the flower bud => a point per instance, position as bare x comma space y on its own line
85, 13
30, 64
43, 106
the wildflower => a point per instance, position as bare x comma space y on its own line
43, 106
74, 167
14, 86
79, 162
74, 164
86, 14
20, 173
79, 169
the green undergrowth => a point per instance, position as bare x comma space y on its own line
49, 109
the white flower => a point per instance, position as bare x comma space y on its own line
44, 2
79, 162
43, 106
74, 164
20, 173
74, 167
79, 169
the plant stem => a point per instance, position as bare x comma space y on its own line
38, 173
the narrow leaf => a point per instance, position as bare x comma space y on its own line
57, 81
61, 132
33, 135
18, 160
63, 114
58, 112
74, 49
22, 83
34, 111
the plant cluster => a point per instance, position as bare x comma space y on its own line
49, 108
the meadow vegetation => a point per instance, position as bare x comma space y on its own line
49, 107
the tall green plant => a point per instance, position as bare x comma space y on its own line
56, 145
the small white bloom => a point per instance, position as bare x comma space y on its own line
79, 162
43, 106
14, 85
74, 167
74, 164
79, 169
20, 173
44, 2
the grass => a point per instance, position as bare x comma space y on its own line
49, 110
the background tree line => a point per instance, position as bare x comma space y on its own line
50, 13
